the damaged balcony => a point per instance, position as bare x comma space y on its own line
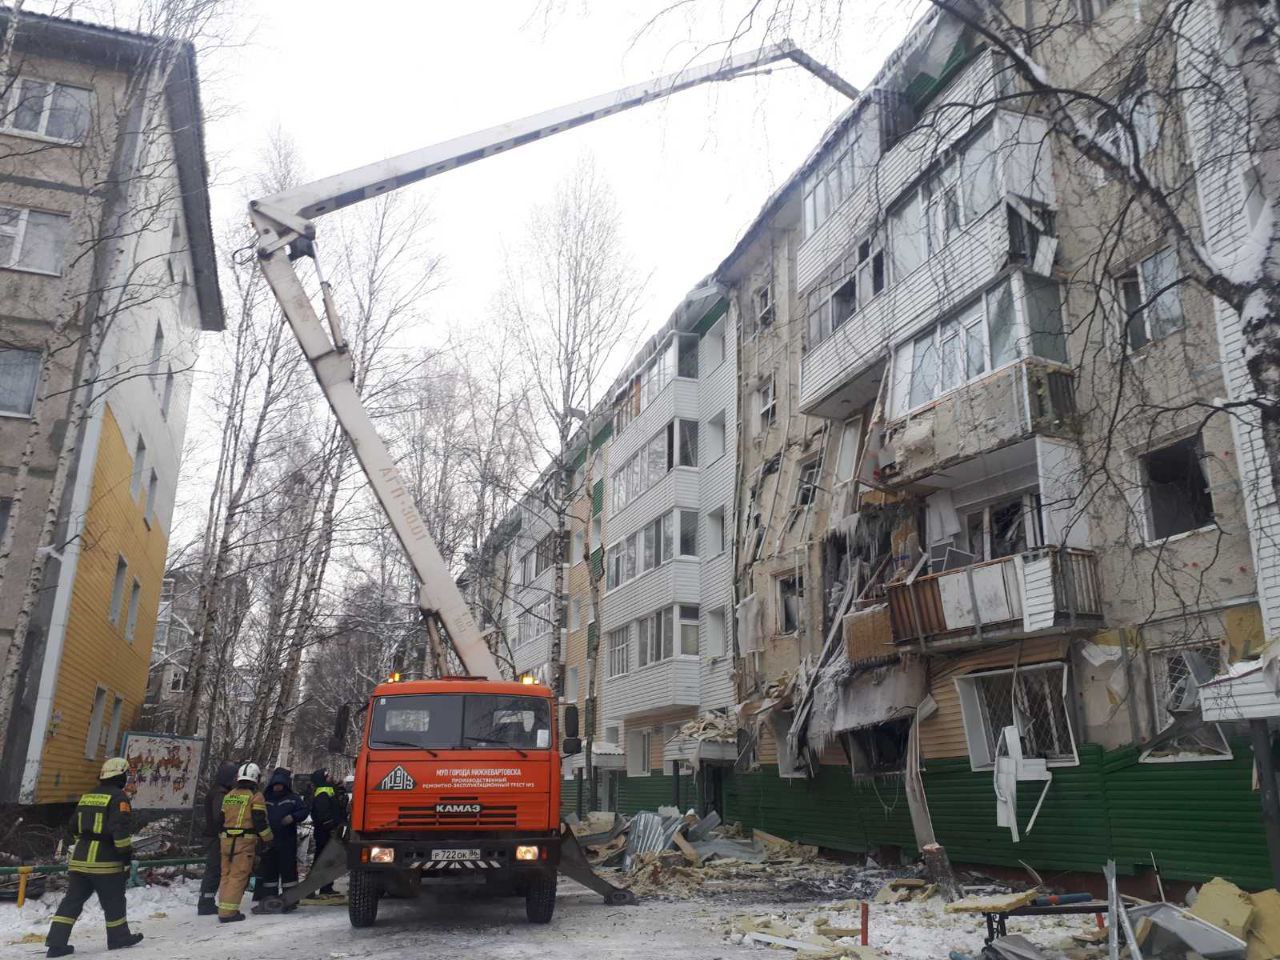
1046, 590
1028, 398
918, 266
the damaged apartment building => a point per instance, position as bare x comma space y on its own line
972, 527
990, 544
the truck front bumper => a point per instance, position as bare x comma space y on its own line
457, 852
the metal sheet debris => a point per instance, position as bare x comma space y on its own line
1170, 922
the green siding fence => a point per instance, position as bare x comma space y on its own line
654, 791
1199, 819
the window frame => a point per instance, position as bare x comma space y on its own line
113, 727
97, 713
1150, 535
618, 646
808, 481
849, 428
35, 387
766, 410
1135, 278
8, 110
780, 606
131, 615
19, 234
116, 606
981, 741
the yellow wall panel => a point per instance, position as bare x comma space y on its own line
96, 651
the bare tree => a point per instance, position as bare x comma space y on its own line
570, 300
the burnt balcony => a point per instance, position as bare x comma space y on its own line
1043, 591
1032, 397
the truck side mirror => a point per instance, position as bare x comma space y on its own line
571, 721
338, 742
572, 745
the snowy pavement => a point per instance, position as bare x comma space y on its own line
583, 929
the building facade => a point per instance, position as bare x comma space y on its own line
106, 253
991, 523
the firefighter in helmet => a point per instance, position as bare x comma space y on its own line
244, 826
102, 826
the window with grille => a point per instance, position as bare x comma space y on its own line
1033, 699
1176, 674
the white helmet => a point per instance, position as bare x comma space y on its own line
249, 771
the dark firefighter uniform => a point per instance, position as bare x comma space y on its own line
244, 824
102, 826
326, 815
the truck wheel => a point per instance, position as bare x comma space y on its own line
540, 898
362, 899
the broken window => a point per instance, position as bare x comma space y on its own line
619, 651
1177, 490
1033, 699
1149, 296
687, 356
807, 484
881, 748
790, 603
717, 627
762, 300
766, 407
93, 739
1176, 672
1004, 528
818, 317
847, 455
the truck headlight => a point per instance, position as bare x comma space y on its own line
382, 854
527, 853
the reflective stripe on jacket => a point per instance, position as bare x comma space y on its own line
245, 812
102, 826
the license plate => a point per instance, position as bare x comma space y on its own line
462, 854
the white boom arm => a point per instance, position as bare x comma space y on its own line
285, 231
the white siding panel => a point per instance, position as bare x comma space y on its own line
897, 169
1216, 134
670, 683
964, 267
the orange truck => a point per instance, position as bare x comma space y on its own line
457, 785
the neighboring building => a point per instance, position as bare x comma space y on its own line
85, 661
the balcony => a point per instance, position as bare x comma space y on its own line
1043, 591
853, 354
673, 682
1031, 397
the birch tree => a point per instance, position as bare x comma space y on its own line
570, 299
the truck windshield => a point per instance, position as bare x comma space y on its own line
471, 721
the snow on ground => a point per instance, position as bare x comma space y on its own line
583, 929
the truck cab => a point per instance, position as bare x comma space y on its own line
457, 782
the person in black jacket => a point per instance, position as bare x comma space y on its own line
223, 781
278, 870
103, 829
326, 816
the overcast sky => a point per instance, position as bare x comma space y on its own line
355, 82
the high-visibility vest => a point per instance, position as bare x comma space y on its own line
102, 825
245, 812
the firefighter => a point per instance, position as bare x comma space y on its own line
278, 870
326, 817
244, 826
207, 905
102, 827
